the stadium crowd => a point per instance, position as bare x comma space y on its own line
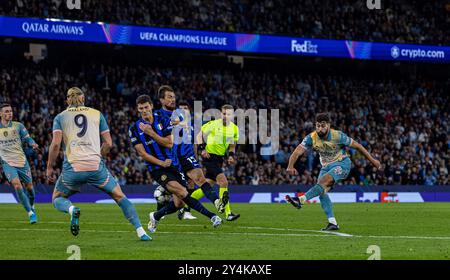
413, 21
403, 123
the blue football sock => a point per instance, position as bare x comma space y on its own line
23, 198
209, 192
196, 205
314, 191
166, 210
326, 204
31, 195
62, 204
130, 212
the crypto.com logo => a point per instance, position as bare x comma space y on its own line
395, 52
373, 4
73, 4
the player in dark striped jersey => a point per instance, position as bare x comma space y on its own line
183, 145
152, 138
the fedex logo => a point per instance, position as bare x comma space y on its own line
305, 47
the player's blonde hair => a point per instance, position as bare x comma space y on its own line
75, 97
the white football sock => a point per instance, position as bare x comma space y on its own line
332, 220
140, 231
71, 210
302, 199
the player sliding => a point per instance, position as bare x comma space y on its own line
184, 148
152, 138
13, 159
330, 144
79, 128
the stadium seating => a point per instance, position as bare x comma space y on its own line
402, 21
405, 124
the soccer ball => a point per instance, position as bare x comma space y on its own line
161, 195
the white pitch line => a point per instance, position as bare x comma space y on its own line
407, 237
239, 233
243, 227
301, 230
61, 230
169, 232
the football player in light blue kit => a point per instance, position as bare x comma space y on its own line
13, 160
79, 128
336, 165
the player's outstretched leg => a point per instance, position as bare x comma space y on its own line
195, 204
185, 212
317, 190
298, 202
65, 205
295, 201
155, 217
327, 207
181, 192
24, 200
207, 190
129, 212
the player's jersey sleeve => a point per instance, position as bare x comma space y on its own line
24, 135
103, 124
343, 139
178, 114
208, 127
236, 134
134, 135
307, 142
166, 127
57, 123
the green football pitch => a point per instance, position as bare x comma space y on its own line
264, 231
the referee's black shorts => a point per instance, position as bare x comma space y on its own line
213, 166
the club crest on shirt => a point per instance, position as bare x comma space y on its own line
163, 178
338, 170
159, 126
5, 133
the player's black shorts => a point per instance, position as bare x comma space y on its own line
164, 175
213, 166
188, 163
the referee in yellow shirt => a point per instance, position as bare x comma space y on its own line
221, 135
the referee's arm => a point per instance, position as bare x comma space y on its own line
232, 147
203, 134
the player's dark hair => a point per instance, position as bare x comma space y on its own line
4, 105
323, 117
143, 99
227, 107
162, 91
184, 103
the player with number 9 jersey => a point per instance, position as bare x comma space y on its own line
80, 128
